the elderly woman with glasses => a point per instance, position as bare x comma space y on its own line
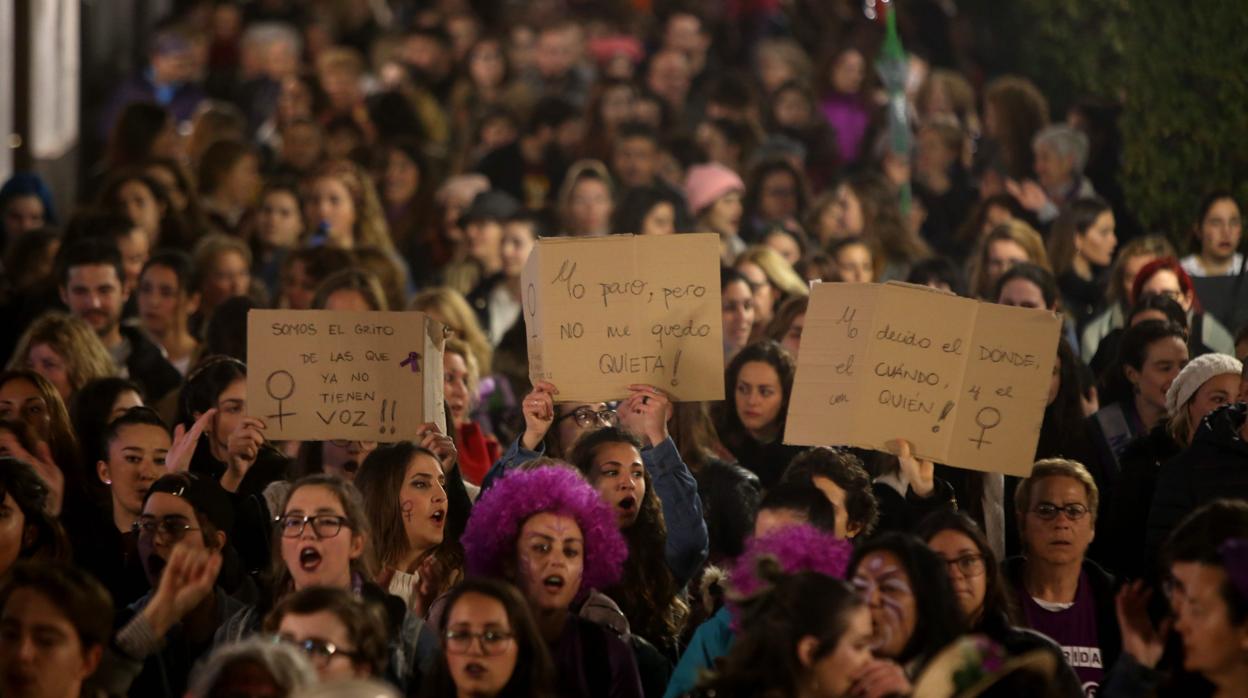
1060, 592
552, 428
981, 593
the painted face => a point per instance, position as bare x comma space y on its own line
759, 396
966, 570
620, 478
1212, 643
163, 304
20, 399
482, 668
94, 293
343, 458
175, 514
738, 314
887, 589
455, 377
279, 222
854, 264
45, 361
313, 557
1163, 360
1221, 230
834, 672
1211, 395
325, 628
550, 561
422, 501
764, 294
1060, 540
1021, 293
793, 337
836, 495
41, 653
332, 207
1098, 242
12, 532
136, 459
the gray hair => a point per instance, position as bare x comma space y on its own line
288, 667
264, 34
349, 688
1066, 142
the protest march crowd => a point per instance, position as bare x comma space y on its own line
390, 156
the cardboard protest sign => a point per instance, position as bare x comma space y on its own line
327, 374
604, 313
965, 382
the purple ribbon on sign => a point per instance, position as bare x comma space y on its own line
413, 358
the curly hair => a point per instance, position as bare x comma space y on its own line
797, 548
648, 592
490, 539
370, 227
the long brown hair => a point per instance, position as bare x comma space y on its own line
352, 506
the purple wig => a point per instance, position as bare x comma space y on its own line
797, 548
490, 538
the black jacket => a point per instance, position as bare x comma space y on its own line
253, 522
898, 513
1214, 466
1123, 522
148, 366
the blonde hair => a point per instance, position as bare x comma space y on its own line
74, 341
370, 228
1014, 231
1149, 245
1056, 467
449, 307
778, 271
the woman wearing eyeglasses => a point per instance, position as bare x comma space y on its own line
491, 646
323, 540
549, 532
1060, 592
343, 636
980, 591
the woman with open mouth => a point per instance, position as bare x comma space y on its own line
548, 531
323, 539
409, 501
492, 647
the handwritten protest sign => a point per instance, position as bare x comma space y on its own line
965, 382
604, 313
360, 376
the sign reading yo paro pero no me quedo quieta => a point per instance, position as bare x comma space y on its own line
316, 375
604, 313
965, 382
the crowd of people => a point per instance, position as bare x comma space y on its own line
372, 156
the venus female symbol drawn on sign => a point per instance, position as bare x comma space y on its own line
280, 381
987, 418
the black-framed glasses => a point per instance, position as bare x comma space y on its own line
1048, 511
970, 565
323, 525
586, 416
321, 652
173, 528
493, 642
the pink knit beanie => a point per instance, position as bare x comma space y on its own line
705, 184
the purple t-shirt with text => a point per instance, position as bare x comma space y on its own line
1073, 628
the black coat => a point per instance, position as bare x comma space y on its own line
1214, 466
1121, 526
148, 366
